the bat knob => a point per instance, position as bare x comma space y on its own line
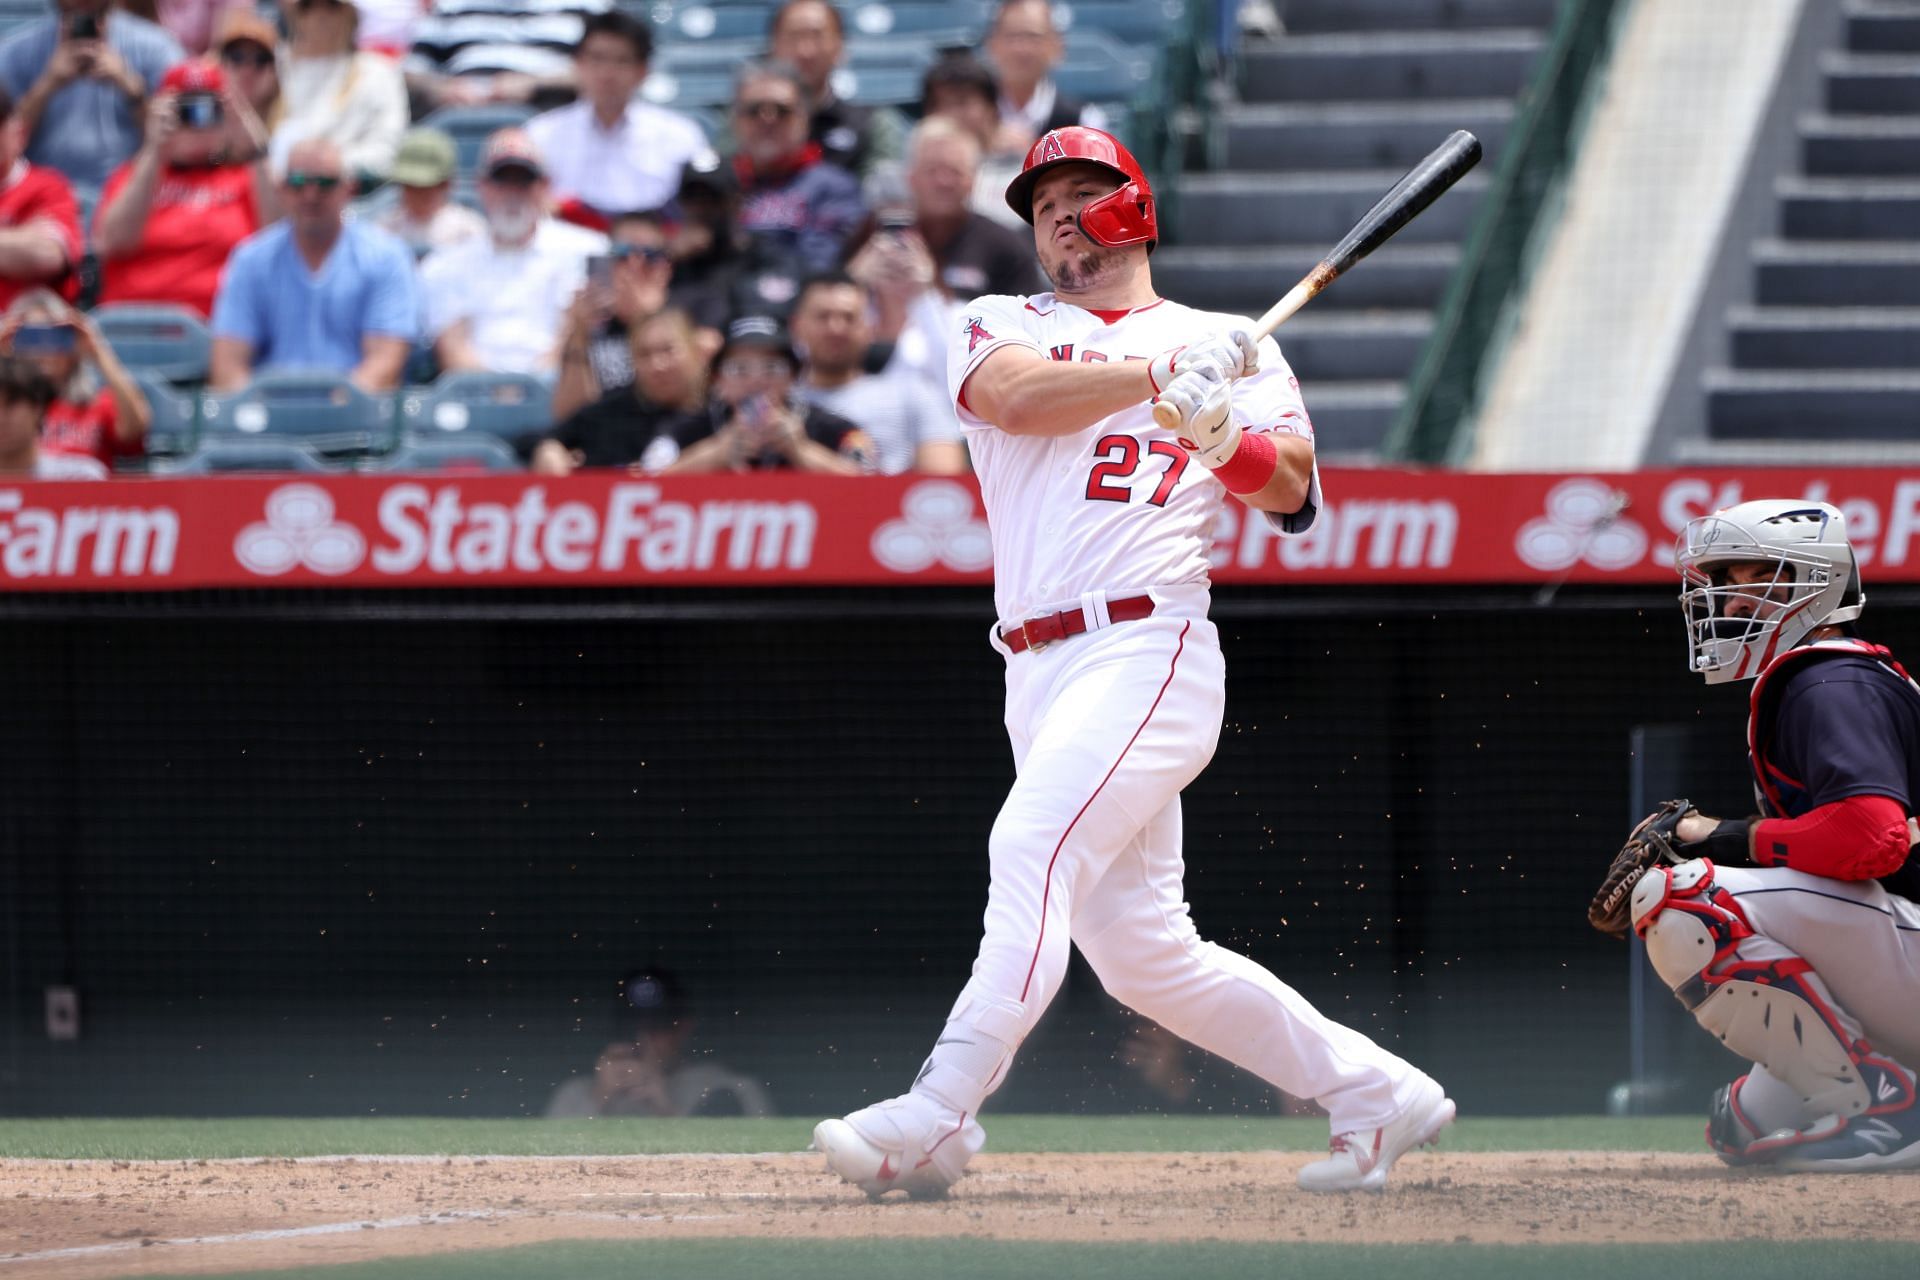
1165, 416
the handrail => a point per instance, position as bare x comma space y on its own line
1445, 386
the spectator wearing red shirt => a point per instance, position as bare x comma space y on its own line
197, 187
39, 220
97, 410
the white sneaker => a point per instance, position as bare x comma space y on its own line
908, 1143
1361, 1160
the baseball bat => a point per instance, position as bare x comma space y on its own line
1423, 184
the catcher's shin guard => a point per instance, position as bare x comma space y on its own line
1762, 1001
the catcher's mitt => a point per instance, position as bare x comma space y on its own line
1652, 842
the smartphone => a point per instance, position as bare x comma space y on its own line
43, 340
600, 270
897, 220
84, 26
199, 110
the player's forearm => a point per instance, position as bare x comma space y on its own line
1286, 492
30, 253
1037, 397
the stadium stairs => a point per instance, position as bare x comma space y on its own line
1831, 340
1321, 120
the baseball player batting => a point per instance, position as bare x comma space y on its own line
1115, 682
1807, 960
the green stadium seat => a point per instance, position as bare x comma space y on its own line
507, 406
172, 428
167, 341
321, 408
445, 453
1149, 24
469, 127
216, 457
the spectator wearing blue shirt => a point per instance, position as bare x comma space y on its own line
80, 80
316, 291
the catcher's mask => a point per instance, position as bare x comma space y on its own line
1123, 216
1806, 578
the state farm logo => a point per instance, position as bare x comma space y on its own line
299, 530
1583, 522
937, 526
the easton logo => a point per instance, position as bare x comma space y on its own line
299, 530
976, 334
1050, 148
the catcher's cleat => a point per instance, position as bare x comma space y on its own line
908, 1143
1885, 1137
1360, 1161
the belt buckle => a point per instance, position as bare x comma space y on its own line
1026, 633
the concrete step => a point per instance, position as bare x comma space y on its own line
1354, 345
1860, 146
1351, 419
1703, 452
1871, 84
1311, 207
1304, 17
1849, 208
1858, 273
1847, 405
1356, 135
1783, 338
1247, 279
1330, 68
1883, 26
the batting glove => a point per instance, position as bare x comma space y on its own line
1223, 357
1207, 429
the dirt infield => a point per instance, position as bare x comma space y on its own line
83, 1219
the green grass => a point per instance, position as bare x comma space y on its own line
178, 1139
953, 1259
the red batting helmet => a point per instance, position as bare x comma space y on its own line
1123, 217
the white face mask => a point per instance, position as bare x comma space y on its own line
513, 222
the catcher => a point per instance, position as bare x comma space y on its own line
1793, 935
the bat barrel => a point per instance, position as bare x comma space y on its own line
1424, 184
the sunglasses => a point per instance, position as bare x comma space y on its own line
645, 252
258, 59
754, 367
765, 110
322, 182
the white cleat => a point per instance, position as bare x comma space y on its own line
1360, 1161
909, 1144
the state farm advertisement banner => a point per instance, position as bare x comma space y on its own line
1378, 526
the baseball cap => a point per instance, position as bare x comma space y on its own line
196, 76
425, 158
238, 24
511, 149
758, 333
709, 173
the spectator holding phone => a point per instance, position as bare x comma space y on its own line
39, 219
426, 216
639, 423
498, 302
625, 285
98, 410
25, 393
79, 80
315, 291
756, 422
169, 220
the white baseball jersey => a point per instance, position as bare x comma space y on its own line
1083, 512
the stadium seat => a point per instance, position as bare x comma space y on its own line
172, 428
323, 409
1148, 24
451, 453
470, 126
1098, 66
503, 405
220, 456
969, 17
167, 341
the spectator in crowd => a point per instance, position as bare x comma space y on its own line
610, 151
1024, 47
961, 88
316, 291
628, 283
809, 36
640, 423
426, 216
39, 220
648, 1069
79, 80
714, 263
25, 393
247, 44
98, 411
197, 187
798, 206
194, 22
386, 26
911, 428
333, 90
755, 421
499, 301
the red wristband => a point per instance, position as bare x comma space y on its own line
1251, 465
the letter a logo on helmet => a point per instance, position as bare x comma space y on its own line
1121, 217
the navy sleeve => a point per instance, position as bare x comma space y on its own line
1845, 730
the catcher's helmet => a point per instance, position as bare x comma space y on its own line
1814, 582
1122, 217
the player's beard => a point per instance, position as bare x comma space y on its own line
1080, 270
